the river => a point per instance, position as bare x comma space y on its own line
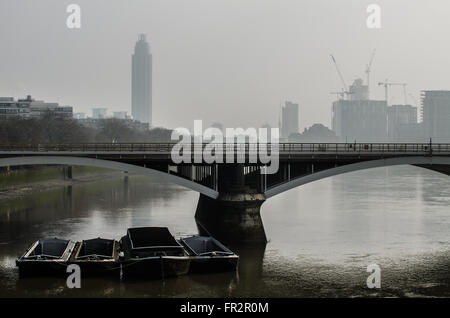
322, 236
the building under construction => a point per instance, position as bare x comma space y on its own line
358, 118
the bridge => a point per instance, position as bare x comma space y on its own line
231, 194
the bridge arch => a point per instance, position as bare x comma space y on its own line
114, 165
407, 160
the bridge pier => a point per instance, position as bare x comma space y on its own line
67, 172
234, 217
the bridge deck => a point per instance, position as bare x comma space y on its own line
286, 151
299, 163
242, 147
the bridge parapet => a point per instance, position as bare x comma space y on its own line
243, 148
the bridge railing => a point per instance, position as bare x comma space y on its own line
362, 147
283, 148
91, 147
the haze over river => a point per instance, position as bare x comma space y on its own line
321, 236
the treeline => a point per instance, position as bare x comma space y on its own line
52, 129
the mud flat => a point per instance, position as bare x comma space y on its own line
17, 184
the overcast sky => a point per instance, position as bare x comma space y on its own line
233, 61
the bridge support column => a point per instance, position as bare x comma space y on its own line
67, 172
232, 218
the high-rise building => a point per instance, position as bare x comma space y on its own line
360, 120
436, 115
289, 120
401, 119
141, 82
29, 107
12, 108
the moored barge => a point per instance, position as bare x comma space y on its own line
152, 252
144, 252
97, 257
209, 255
46, 257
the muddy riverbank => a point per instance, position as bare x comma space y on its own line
17, 184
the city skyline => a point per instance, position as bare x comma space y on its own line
209, 66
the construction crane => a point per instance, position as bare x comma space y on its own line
386, 85
368, 67
341, 95
345, 87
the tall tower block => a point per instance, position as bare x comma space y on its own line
141, 82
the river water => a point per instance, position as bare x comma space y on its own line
322, 236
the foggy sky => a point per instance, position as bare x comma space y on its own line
232, 61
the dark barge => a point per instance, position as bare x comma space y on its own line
46, 257
145, 252
209, 255
152, 252
97, 257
